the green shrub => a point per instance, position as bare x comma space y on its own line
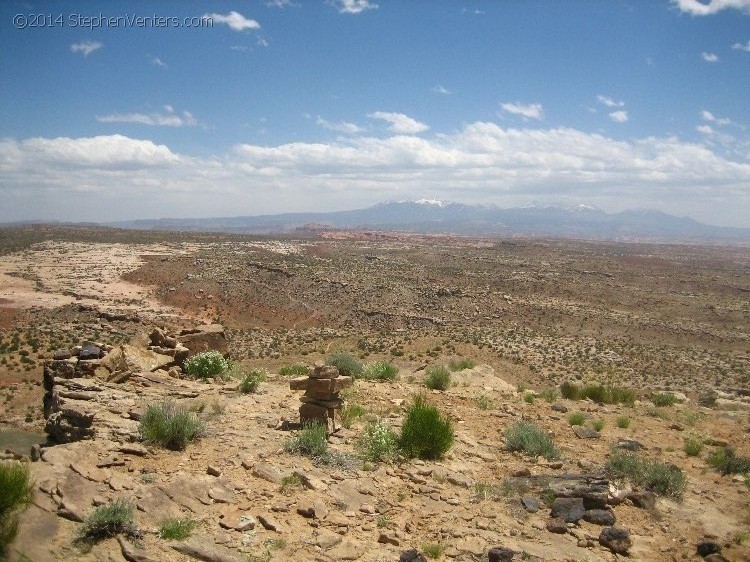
727, 462
108, 521
378, 442
483, 402
548, 395
176, 529
693, 445
433, 550
311, 441
206, 365
570, 391
661, 478
425, 433
380, 371
576, 418
346, 363
296, 370
608, 394
530, 439
461, 364
437, 377
598, 425
350, 413
663, 399
528, 397
171, 425
622, 421
290, 482
16, 491
251, 381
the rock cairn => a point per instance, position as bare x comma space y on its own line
321, 398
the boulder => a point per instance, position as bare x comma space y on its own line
570, 509
617, 539
205, 338
131, 359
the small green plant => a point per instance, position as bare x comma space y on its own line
661, 413
290, 483
206, 365
727, 462
378, 442
383, 521
437, 377
425, 433
528, 397
350, 413
250, 382
380, 371
296, 370
659, 477
576, 418
531, 439
598, 425
693, 445
311, 441
433, 550
622, 421
16, 492
483, 491
170, 425
663, 399
106, 521
548, 395
691, 417
346, 363
176, 529
461, 364
570, 391
483, 402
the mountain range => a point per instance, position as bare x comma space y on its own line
434, 217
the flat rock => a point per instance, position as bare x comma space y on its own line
583, 432
200, 552
570, 509
348, 550
132, 553
267, 472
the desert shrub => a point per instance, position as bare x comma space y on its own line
622, 421
350, 413
727, 462
346, 363
693, 445
16, 491
425, 433
461, 364
548, 395
176, 529
108, 521
663, 399
576, 418
570, 390
296, 370
598, 425
708, 398
659, 477
206, 365
530, 439
291, 482
483, 401
171, 425
433, 550
599, 393
311, 441
528, 397
437, 377
380, 371
378, 442
661, 413
250, 382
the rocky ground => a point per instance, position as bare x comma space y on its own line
537, 313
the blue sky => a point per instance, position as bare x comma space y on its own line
275, 106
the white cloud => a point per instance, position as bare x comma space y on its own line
156, 61
703, 8
400, 124
168, 119
609, 102
742, 46
709, 57
261, 42
705, 129
440, 89
234, 20
528, 111
279, 3
708, 116
86, 47
240, 48
352, 6
340, 126
619, 116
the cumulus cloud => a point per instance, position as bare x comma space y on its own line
340, 126
742, 46
710, 7
86, 47
709, 57
708, 116
168, 119
234, 20
609, 102
527, 111
352, 6
400, 124
619, 116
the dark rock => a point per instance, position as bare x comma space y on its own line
530, 504
708, 546
570, 509
583, 432
617, 539
89, 350
562, 408
643, 499
604, 517
500, 554
629, 445
522, 472
557, 525
412, 555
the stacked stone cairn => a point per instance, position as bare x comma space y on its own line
321, 399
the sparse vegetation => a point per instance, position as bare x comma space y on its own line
351, 413
693, 445
177, 529
622, 421
378, 442
548, 395
483, 402
528, 397
170, 425
437, 377
576, 418
296, 370
531, 439
726, 461
106, 521
425, 433
659, 477
380, 371
433, 550
250, 382
663, 399
16, 493
311, 441
598, 425
603, 394
346, 363
206, 365
461, 364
